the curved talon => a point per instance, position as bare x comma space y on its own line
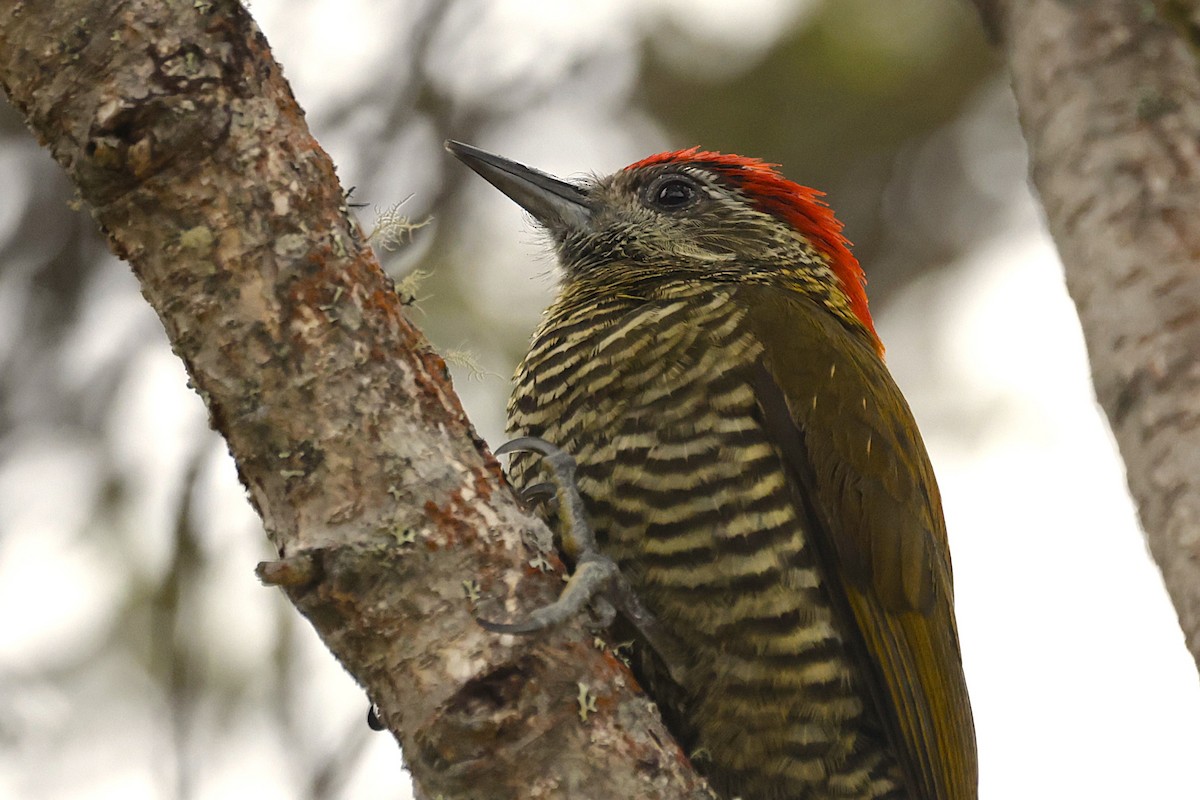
596, 576
538, 493
561, 463
533, 444
592, 576
577, 536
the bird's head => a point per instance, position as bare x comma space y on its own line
689, 215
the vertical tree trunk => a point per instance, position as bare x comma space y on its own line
1109, 98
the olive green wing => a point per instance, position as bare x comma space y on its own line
861, 470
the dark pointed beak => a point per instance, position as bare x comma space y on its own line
558, 205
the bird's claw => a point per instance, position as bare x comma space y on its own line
537, 493
594, 572
585, 588
555, 455
576, 534
596, 581
562, 469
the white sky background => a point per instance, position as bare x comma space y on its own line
1081, 684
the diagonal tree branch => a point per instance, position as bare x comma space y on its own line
392, 521
1109, 96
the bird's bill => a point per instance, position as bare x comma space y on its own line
558, 205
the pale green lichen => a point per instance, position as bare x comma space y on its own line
471, 589
586, 700
197, 238
406, 287
469, 361
392, 229
339, 247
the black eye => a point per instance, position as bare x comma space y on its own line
672, 194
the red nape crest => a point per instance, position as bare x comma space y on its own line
799, 206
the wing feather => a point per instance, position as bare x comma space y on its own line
859, 464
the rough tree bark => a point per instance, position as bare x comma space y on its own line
1109, 98
392, 521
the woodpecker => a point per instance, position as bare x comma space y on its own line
749, 464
